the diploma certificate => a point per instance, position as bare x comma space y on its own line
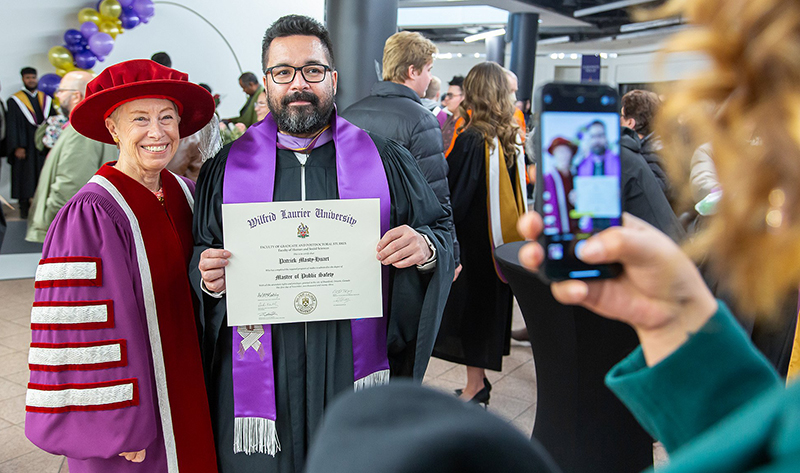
302, 261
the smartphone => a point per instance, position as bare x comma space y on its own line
578, 174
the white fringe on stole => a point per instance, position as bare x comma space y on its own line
377, 378
255, 435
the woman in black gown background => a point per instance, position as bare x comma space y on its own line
476, 325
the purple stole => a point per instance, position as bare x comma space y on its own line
250, 177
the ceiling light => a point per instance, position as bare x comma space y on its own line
573, 56
554, 56
484, 35
603, 56
646, 25
561, 55
553, 40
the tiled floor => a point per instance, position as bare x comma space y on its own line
513, 393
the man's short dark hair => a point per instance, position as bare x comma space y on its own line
162, 58
27, 70
596, 122
457, 81
205, 86
642, 106
295, 25
248, 78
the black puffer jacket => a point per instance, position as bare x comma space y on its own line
395, 111
641, 192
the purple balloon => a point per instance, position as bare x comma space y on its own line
74, 48
129, 19
73, 37
144, 8
88, 28
126, 3
101, 44
48, 83
85, 59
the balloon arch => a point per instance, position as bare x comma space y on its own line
94, 39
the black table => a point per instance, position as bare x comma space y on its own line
578, 420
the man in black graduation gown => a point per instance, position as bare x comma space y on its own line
27, 109
313, 362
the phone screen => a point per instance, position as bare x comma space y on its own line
580, 183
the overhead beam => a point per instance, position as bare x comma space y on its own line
609, 7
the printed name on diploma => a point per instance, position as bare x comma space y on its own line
302, 213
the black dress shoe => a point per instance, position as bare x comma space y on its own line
482, 396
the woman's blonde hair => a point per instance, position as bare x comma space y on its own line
405, 49
748, 106
487, 107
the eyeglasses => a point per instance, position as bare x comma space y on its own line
312, 73
261, 104
450, 95
65, 90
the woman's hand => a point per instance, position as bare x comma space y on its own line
135, 457
660, 293
212, 268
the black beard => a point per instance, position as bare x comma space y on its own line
302, 120
33, 89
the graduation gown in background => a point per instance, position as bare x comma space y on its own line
313, 362
247, 115
115, 360
476, 326
20, 133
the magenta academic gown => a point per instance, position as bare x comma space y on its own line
115, 362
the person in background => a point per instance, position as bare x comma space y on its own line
116, 378
27, 109
261, 106
430, 99
519, 116
3, 124
249, 84
70, 164
487, 184
394, 110
162, 58
452, 99
639, 110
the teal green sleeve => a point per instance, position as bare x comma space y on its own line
714, 373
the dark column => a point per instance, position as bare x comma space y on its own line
524, 29
359, 29
496, 49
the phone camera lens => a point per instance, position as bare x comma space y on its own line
580, 99
548, 99
604, 100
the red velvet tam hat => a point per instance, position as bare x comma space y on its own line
140, 79
562, 142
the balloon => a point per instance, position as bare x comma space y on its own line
110, 28
144, 8
101, 44
125, 3
85, 60
88, 14
60, 72
88, 28
129, 19
110, 8
48, 83
74, 48
59, 56
72, 37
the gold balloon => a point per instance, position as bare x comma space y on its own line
109, 27
110, 8
60, 72
60, 57
88, 14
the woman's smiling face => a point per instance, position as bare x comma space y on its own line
147, 130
